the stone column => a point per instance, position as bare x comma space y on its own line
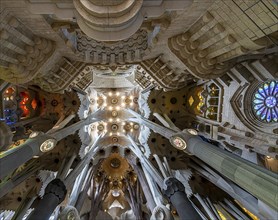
13, 158
55, 193
257, 180
144, 184
174, 190
36, 146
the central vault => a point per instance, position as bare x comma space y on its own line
113, 91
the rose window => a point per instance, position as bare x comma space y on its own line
265, 102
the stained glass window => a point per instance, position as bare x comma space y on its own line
265, 102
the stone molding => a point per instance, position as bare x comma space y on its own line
22, 53
126, 51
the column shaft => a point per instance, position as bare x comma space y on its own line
12, 159
45, 207
55, 193
184, 208
174, 190
260, 182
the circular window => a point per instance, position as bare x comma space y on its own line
265, 102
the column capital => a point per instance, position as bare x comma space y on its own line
171, 186
58, 188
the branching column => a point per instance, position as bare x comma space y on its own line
13, 158
170, 186
260, 182
144, 184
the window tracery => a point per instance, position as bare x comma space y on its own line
265, 102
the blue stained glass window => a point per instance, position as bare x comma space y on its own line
265, 102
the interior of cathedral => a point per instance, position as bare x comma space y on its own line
138, 109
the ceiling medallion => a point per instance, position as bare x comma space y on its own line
135, 100
115, 163
114, 139
136, 126
127, 100
114, 101
178, 143
127, 127
114, 127
114, 113
99, 101
100, 127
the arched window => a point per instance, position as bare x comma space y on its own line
265, 102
